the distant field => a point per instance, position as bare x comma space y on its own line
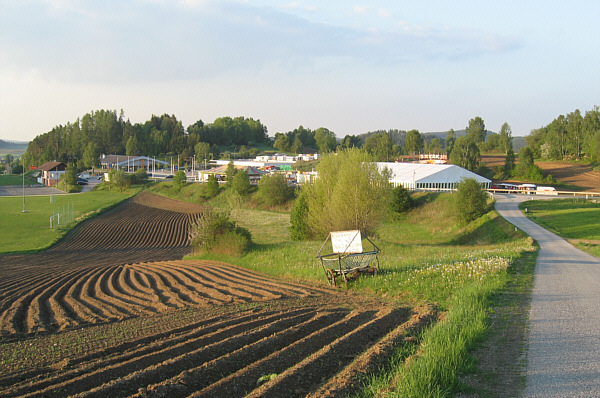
31, 231
13, 179
12, 148
577, 220
579, 175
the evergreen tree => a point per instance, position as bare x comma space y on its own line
299, 229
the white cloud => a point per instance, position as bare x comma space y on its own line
199, 39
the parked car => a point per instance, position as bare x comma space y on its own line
81, 181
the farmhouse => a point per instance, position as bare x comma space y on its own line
51, 172
415, 176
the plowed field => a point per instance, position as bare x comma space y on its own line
579, 175
111, 311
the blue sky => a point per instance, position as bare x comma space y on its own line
349, 66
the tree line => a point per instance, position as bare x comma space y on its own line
83, 141
574, 136
104, 132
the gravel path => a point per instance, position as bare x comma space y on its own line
563, 347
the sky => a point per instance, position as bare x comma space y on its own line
349, 66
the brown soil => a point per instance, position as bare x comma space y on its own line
111, 311
579, 175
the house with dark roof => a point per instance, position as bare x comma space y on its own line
51, 172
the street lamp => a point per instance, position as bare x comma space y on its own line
194, 166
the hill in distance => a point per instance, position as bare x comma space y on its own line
13, 147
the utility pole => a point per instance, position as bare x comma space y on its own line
24, 211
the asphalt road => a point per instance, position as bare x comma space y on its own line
33, 190
563, 345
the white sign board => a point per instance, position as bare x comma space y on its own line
346, 242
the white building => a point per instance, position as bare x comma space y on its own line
416, 176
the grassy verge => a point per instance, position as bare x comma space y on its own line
31, 232
577, 220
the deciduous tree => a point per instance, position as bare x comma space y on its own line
465, 153
470, 200
413, 143
350, 193
476, 130
325, 140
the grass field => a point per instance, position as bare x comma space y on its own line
30, 231
577, 220
13, 179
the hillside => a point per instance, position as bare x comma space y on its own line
13, 147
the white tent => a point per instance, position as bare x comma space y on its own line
430, 176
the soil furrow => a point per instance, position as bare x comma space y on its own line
193, 287
183, 295
349, 380
315, 370
121, 353
196, 281
114, 378
172, 366
241, 275
276, 358
252, 288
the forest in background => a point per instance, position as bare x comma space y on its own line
83, 141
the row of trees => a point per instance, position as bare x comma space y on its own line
103, 131
573, 136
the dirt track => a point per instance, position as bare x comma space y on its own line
111, 311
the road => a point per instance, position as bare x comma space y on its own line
39, 190
563, 345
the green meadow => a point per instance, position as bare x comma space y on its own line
577, 220
30, 231
13, 179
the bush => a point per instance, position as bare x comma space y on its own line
273, 189
118, 179
471, 200
212, 187
215, 232
139, 177
401, 200
241, 183
179, 180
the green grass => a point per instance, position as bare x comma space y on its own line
575, 219
570, 218
14, 179
30, 231
191, 192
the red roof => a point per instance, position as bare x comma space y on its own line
48, 166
